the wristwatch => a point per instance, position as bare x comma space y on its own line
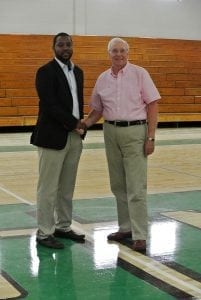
150, 139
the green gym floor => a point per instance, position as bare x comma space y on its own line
98, 269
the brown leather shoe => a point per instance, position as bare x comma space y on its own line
139, 245
71, 235
118, 236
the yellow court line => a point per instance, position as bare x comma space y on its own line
151, 266
189, 217
18, 232
162, 272
145, 263
7, 290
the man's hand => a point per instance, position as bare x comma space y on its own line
149, 146
81, 127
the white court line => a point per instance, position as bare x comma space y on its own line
15, 196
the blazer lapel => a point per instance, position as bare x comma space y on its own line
61, 75
78, 82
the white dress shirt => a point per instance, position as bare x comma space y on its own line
73, 86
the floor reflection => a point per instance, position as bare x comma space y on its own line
163, 237
34, 263
105, 255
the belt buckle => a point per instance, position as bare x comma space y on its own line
116, 122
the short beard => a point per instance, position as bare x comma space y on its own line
63, 60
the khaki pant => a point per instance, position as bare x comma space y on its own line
56, 183
128, 176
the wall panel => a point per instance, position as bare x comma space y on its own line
175, 66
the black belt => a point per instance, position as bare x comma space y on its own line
126, 123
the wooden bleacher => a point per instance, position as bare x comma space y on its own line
175, 66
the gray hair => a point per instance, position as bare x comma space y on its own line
117, 40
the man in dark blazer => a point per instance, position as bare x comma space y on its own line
58, 135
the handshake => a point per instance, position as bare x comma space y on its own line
81, 127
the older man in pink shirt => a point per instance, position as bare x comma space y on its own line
126, 97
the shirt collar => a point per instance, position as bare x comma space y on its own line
123, 70
62, 65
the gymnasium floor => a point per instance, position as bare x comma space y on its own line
97, 269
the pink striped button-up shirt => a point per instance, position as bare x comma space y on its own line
124, 96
